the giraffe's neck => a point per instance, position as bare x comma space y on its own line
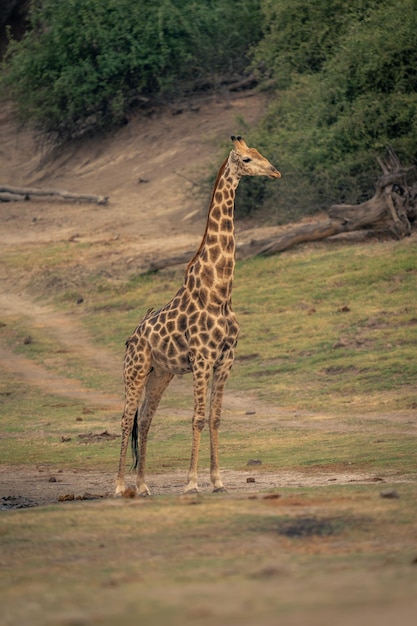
210, 273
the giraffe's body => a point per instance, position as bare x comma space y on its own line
196, 332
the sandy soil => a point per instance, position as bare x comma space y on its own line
148, 170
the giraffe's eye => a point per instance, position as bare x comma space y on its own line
246, 159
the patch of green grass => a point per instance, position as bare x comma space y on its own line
331, 330
53, 254
37, 427
42, 346
329, 327
321, 328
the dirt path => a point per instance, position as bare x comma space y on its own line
22, 487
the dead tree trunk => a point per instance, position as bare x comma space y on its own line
392, 209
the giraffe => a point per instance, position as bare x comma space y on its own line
196, 332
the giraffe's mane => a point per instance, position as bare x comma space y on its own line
219, 174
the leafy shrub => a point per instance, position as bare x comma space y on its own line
301, 35
325, 130
84, 62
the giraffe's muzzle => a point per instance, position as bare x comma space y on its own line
274, 173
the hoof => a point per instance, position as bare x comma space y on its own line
191, 491
220, 490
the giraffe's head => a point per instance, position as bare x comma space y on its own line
249, 162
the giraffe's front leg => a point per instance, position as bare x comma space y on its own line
220, 376
201, 375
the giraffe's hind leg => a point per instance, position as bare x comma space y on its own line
156, 384
131, 405
136, 369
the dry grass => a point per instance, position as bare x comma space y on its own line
213, 560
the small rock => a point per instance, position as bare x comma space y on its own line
80, 300
27, 340
268, 572
129, 493
389, 493
52, 479
254, 462
250, 479
67, 498
65, 439
88, 496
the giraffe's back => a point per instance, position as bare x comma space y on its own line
175, 334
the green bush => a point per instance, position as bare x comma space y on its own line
84, 62
340, 109
300, 36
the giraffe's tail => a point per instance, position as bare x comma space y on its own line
134, 441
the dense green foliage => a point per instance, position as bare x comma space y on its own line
84, 62
348, 89
341, 76
300, 36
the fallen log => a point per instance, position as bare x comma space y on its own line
7, 194
11, 197
293, 236
178, 259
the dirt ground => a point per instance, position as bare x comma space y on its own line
147, 169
